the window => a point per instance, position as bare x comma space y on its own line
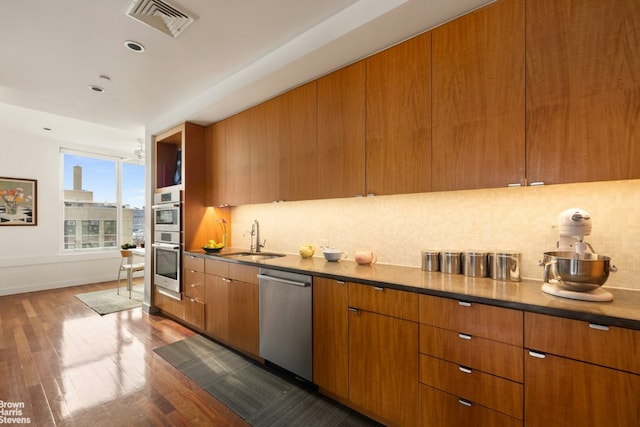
103, 201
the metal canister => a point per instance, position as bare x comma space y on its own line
474, 264
505, 266
431, 260
450, 262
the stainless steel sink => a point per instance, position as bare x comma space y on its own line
252, 256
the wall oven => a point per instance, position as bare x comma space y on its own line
167, 243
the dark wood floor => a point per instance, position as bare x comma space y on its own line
63, 364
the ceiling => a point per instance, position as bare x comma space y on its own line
234, 55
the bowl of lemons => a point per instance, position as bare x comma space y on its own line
212, 246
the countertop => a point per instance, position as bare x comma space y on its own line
526, 295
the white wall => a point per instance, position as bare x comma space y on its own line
31, 258
398, 228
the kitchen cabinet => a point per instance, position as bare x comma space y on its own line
583, 90
478, 105
398, 124
238, 159
264, 151
193, 285
577, 373
341, 133
168, 305
383, 353
298, 160
471, 364
231, 298
188, 139
216, 166
331, 336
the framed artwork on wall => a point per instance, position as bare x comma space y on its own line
18, 201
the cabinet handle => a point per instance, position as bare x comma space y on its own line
340, 282
537, 354
193, 271
353, 310
464, 303
464, 336
598, 327
377, 288
464, 402
514, 184
224, 279
192, 285
536, 183
464, 369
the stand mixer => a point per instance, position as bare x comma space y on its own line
571, 271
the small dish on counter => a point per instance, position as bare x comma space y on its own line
212, 250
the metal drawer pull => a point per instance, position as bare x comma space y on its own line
377, 288
598, 327
464, 369
340, 282
464, 402
465, 336
536, 354
353, 310
464, 303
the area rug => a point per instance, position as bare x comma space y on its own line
108, 300
258, 394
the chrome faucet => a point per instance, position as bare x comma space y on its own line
255, 231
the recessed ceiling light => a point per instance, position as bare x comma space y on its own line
96, 88
134, 46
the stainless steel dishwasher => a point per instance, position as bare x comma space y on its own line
286, 335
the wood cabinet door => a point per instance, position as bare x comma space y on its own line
562, 392
216, 306
478, 99
238, 160
583, 90
298, 144
383, 366
215, 164
244, 320
331, 336
341, 133
265, 140
398, 118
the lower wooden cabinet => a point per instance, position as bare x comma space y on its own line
563, 392
194, 312
331, 336
383, 366
217, 307
244, 319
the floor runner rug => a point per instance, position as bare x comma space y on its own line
259, 395
108, 300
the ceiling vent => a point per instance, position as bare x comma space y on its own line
161, 15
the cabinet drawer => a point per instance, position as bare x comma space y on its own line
488, 356
609, 346
243, 273
194, 284
390, 302
487, 390
191, 262
217, 268
440, 409
486, 321
194, 312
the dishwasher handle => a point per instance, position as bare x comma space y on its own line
284, 281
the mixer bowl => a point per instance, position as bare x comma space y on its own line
585, 274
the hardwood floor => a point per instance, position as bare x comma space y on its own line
62, 364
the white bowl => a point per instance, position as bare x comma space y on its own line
334, 255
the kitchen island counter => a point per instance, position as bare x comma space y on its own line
526, 295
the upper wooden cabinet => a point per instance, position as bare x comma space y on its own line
215, 152
298, 161
264, 146
238, 161
583, 90
398, 125
478, 99
341, 133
